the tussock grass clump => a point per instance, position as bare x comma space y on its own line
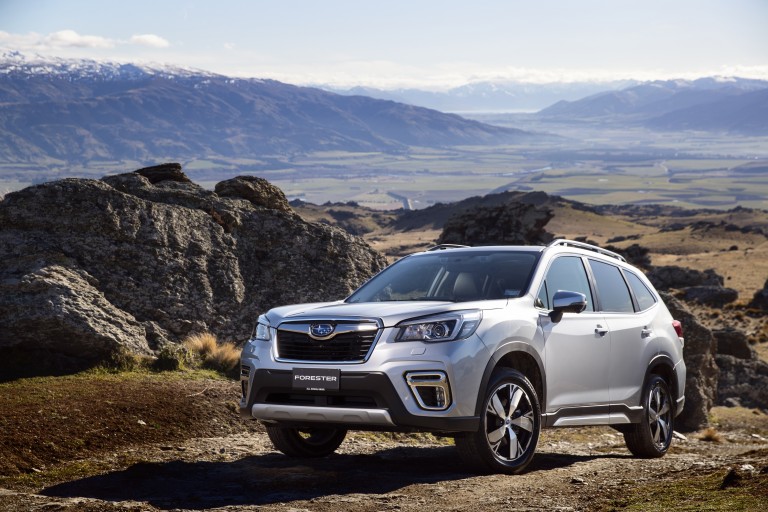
711, 435
203, 344
223, 357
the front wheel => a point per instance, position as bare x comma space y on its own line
652, 436
306, 442
509, 427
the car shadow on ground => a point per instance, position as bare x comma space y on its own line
274, 478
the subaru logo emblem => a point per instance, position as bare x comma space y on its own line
321, 330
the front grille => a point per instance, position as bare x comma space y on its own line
345, 347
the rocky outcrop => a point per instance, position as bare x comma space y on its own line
733, 343
760, 299
701, 370
134, 261
258, 191
743, 382
671, 276
693, 285
743, 377
714, 296
513, 223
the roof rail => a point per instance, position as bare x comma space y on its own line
588, 247
443, 247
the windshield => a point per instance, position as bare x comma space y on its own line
452, 276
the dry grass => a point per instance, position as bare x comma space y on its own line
711, 435
223, 357
203, 344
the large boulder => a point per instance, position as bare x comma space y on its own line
733, 343
258, 191
701, 369
760, 299
513, 223
743, 382
671, 276
714, 296
131, 262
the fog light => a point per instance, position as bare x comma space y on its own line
430, 389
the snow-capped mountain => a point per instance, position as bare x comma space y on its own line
83, 110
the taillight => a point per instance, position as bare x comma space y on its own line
678, 329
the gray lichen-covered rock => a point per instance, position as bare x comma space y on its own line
702, 371
258, 191
55, 308
127, 263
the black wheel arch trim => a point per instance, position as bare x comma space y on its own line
497, 357
663, 360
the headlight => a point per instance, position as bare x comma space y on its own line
446, 327
263, 332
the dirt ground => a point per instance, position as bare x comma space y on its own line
169, 442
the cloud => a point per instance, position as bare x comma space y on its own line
150, 40
70, 38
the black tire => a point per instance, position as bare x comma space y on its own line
306, 442
510, 424
652, 436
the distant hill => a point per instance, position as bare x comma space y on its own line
721, 104
490, 96
78, 111
745, 113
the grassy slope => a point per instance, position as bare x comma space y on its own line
48, 420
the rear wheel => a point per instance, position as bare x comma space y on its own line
652, 436
509, 427
306, 442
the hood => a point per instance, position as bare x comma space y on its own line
390, 313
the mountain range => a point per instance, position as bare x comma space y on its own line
490, 96
78, 111
734, 105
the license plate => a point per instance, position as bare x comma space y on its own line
316, 379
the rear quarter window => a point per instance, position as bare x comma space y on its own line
644, 296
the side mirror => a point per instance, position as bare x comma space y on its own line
567, 302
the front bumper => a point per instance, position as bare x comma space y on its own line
364, 401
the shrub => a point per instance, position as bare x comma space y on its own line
123, 360
173, 357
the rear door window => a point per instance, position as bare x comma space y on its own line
611, 288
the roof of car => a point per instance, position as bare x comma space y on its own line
560, 242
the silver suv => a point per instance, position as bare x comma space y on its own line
485, 344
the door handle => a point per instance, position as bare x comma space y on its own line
600, 330
646, 333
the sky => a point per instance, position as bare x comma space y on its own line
429, 44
